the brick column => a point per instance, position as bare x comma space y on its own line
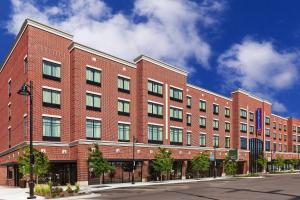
145, 172
82, 172
184, 167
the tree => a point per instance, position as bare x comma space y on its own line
293, 162
262, 161
98, 163
279, 162
163, 162
230, 166
200, 163
41, 163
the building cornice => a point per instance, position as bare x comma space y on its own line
82, 47
251, 95
161, 64
209, 92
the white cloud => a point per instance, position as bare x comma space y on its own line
169, 30
260, 68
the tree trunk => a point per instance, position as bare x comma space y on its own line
37, 179
161, 176
101, 175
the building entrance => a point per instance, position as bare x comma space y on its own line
256, 149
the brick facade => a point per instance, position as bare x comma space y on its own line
37, 42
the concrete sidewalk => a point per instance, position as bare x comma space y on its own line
14, 193
97, 188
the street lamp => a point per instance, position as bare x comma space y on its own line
133, 159
26, 90
215, 162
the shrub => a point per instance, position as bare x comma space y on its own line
69, 188
77, 187
42, 189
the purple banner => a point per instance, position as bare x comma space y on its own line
258, 121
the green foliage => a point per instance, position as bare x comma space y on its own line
41, 162
77, 187
42, 189
97, 162
262, 161
163, 162
279, 161
293, 162
201, 163
69, 188
230, 166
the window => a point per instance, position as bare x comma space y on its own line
294, 129
176, 136
9, 88
176, 114
284, 127
202, 140
274, 125
93, 102
202, 105
227, 127
25, 126
251, 129
251, 116
268, 145
51, 128
123, 132
280, 147
123, 107
227, 142
188, 119
294, 148
267, 120
9, 111
216, 141
298, 148
188, 139
51, 98
93, 76
227, 112
155, 110
274, 135
243, 127
216, 124
93, 129
155, 88
9, 137
285, 137
25, 64
123, 84
298, 129
243, 143
280, 127
188, 102
51, 70
280, 136
202, 122
243, 113
298, 138
294, 138
175, 94
267, 132
155, 133
215, 109
274, 147
285, 148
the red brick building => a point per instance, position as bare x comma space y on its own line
82, 96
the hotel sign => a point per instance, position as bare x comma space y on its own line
258, 121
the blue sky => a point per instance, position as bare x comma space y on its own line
252, 44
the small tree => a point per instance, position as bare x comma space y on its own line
200, 163
163, 162
230, 166
98, 163
262, 161
41, 163
279, 162
293, 162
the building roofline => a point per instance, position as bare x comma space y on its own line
251, 95
29, 22
285, 118
210, 92
101, 54
160, 63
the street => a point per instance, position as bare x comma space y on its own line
272, 187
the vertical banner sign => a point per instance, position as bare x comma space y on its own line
258, 121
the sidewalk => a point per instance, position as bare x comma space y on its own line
12, 193
97, 188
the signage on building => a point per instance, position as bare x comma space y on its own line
233, 154
258, 121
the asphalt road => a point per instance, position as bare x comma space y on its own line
270, 188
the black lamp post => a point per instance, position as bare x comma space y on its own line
133, 159
215, 162
26, 90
